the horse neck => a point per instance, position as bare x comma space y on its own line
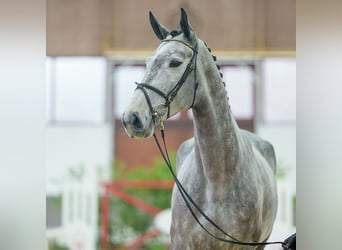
216, 131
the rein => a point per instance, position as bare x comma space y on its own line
169, 97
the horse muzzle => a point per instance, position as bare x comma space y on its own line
137, 125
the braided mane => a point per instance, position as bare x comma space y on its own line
218, 68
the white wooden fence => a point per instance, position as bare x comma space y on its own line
79, 228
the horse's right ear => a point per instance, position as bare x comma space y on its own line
160, 31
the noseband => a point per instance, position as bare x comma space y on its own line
170, 96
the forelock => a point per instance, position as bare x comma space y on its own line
175, 33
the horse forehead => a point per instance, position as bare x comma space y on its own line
169, 48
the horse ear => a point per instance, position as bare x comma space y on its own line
160, 31
184, 24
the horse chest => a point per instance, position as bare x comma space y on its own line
186, 233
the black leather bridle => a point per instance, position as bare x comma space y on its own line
170, 96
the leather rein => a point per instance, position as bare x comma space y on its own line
169, 97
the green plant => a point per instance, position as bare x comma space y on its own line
53, 245
282, 169
127, 221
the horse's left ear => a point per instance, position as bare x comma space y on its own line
160, 31
184, 24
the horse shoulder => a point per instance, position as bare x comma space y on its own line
264, 147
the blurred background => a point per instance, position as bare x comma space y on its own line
96, 50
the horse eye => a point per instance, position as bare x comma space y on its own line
175, 63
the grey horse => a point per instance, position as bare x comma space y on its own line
228, 172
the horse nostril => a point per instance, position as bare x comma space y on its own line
124, 123
136, 122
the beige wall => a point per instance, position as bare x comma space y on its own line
76, 27
79, 27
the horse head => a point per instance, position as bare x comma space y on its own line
169, 84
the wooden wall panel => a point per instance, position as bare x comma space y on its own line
280, 20
78, 27
222, 24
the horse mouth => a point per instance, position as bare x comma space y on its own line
137, 135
